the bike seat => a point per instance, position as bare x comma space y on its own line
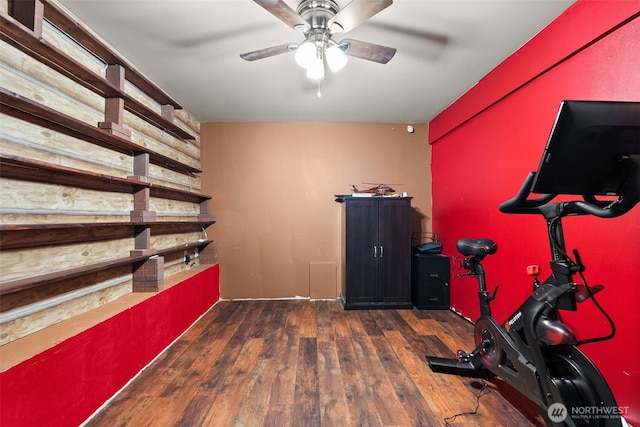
478, 247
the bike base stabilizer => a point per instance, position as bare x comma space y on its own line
469, 368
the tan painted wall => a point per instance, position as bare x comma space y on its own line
278, 228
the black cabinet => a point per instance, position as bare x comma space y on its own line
376, 252
430, 275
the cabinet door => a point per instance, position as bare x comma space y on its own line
361, 251
395, 251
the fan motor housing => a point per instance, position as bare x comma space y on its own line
317, 13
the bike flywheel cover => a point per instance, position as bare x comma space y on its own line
484, 332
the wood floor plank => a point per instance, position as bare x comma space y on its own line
349, 324
358, 395
456, 327
324, 328
254, 408
255, 402
273, 324
283, 386
421, 325
369, 323
333, 402
278, 415
413, 403
421, 376
225, 406
307, 396
311, 363
206, 347
259, 319
229, 312
210, 368
417, 328
388, 406
437, 347
506, 405
308, 326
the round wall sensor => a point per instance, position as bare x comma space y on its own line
410, 129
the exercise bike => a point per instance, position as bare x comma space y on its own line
533, 350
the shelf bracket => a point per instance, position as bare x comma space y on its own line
114, 107
29, 13
148, 275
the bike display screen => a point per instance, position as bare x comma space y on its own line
593, 149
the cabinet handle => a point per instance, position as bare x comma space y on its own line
381, 251
375, 251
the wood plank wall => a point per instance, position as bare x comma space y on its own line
28, 202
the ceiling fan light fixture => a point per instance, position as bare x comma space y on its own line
336, 58
315, 71
319, 20
305, 54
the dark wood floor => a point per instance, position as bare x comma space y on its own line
310, 363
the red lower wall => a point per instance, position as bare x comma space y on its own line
485, 144
67, 383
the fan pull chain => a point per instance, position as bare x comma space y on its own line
319, 93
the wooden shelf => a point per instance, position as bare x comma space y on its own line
21, 168
22, 38
43, 279
81, 225
24, 236
198, 244
23, 108
176, 194
145, 113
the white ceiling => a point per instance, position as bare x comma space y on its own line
191, 48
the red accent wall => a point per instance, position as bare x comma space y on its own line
67, 383
487, 141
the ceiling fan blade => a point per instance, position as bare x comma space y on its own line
368, 51
356, 12
283, 12
267, 52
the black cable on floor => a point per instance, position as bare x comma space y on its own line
484, 390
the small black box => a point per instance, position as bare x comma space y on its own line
430, 275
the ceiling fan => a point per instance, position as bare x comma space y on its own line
319, 20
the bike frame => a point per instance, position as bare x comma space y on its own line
533, 350
519, 350
536, 321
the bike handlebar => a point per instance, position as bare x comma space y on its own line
588, 206
520, 204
